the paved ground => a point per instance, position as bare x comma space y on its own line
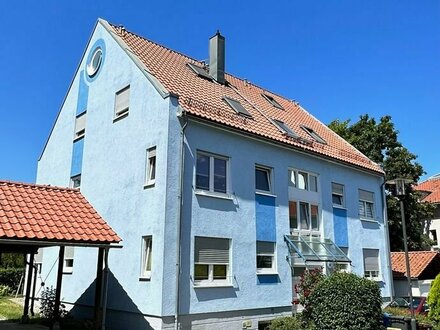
17, 326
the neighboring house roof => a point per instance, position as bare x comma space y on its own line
432, 189
204, 99
419, 261
47, 213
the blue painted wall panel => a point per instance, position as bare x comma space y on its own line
340, 227
265, 218
268, 279
83, 95
77, 156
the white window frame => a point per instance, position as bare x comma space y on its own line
147, 250
68, 269
368, 273
211, 173
308, 176
341, 196
310, 230
151, 167
80, 126
119, 113
365, 203
273, 269
73, 179
269, 172
211, 281
344, 267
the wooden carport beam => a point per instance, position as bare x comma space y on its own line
30, 267
59, 282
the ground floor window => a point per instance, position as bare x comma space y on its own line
371, 263
211, 261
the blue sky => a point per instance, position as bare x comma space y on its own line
339, 59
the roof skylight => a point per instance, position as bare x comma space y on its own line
236, 105
272, 101
284, 128
201, 72
313, 134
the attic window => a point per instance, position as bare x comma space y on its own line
201, 72
272, 101
284, 128
95, 62
313, 134
236, 105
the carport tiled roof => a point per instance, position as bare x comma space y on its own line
204, 99
432, 187
38, 212
418, 262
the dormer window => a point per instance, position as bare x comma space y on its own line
313, 134
237, 107
201, 72
272, 101
284, 128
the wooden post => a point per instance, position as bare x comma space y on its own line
104, 288
30, 267
59, 282
98, 289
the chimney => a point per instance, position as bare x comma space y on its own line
217, 57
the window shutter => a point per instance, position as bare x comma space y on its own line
371, 259
366, 196
265, 248
122, 100
68, 252
80, 124
211, 250
338, 188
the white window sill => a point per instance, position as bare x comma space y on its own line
213, 194
149, 184
267, 273
263, 193
145, 278
67, 272
369, 220
336, 206
120, 116
212, 285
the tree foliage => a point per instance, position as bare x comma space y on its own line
379, 141
434, 300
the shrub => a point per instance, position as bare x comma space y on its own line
344, 301
289, 323
11, 277
308, 281
47, 305
4, 290
434, 300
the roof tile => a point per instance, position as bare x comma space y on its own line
204, 99
418, 261
51, 213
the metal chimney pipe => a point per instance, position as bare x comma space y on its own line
217, 57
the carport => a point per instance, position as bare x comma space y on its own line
38, 216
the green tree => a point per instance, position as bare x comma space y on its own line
434, 300
379, 142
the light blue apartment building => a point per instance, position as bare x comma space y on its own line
222, 192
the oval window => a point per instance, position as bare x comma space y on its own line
95, 62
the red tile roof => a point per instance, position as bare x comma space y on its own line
418, 262
203, 99
37, 212
432, 186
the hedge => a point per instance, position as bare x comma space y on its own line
345, 301
11, 277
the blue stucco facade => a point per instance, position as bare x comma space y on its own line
112, 161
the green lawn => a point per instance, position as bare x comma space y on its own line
10, 310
